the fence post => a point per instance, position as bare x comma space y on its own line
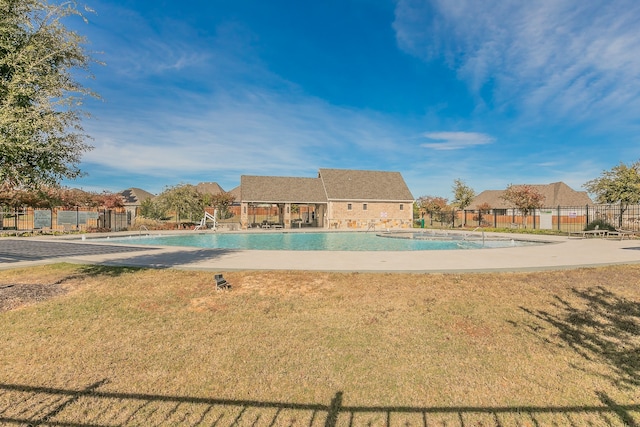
559, 228
587, 216
495, 219
534, 218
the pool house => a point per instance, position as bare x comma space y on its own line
335, 199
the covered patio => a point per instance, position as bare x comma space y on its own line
282, 202
283, 215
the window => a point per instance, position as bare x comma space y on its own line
401, 207
348, 206
364, 206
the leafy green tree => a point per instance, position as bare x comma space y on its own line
620, 184
525, 198
462, 195
151, 209
41, 138
184, 200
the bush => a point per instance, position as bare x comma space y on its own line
599, 224
153, 224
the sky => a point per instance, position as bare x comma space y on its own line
492, 92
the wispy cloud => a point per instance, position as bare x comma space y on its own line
455, 140
565, 59
256, 132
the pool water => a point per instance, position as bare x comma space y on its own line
323, 241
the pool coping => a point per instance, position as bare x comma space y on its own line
565, 254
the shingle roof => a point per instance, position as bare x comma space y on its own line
555, 194
347, 184
135, 196
236, 193
209, 188
280, 189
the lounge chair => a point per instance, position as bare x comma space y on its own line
596, 232
622, 233
221, 283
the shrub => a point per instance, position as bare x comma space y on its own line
599, 224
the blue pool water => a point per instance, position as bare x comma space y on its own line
323, 241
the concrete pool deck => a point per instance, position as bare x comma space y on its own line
562, 253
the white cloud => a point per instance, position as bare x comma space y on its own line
455, 140
564, 59
256, 132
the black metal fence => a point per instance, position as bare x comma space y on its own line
559, 218
63, 220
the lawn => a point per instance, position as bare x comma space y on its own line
103, 346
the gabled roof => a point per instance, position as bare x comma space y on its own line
348, 184
236, 193
209, 188
135, 196
281, 189
555, 194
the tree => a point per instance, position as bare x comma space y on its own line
221, 202
462, 195
152, 210
619, 185
523, 197
484, 208
41, 138
434, 206
184, 200
54, 196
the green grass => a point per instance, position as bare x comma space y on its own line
306, 348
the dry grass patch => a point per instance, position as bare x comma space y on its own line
415, 344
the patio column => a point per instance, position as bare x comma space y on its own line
287, 215
244, 215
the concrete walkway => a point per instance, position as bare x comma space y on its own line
562, 253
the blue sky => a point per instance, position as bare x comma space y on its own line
492, 92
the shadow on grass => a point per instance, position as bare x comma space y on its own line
23, 404
598, 325
105, 270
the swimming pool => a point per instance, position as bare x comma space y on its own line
328, 241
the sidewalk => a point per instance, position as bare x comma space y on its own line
562, 253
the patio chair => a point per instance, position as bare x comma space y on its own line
221, 283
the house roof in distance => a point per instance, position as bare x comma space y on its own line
209, 188
555, 194
135, 196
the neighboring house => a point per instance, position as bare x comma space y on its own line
337, 198
209, 188
132, 199
555, 194
562, 206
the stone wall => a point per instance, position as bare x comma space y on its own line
379, 215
